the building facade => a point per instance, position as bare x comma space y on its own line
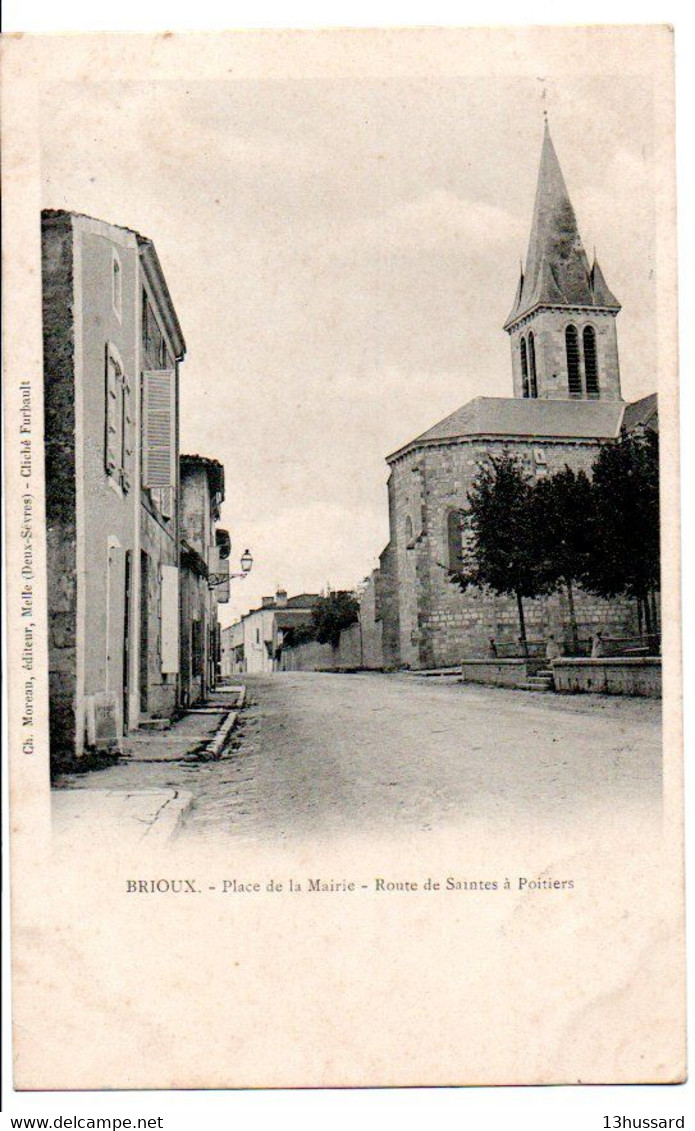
263, 631
205, 550
112, 350
232, 650
567, 401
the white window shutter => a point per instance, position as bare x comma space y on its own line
113, 416
128, 430
170, 619
159, 428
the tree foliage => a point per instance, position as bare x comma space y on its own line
562, 508
624, 531
331, 614
524, 539
499, 550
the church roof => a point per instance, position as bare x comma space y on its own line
557, 271
642, 414
524, 418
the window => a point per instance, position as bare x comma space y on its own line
574, 377
590, 361
196, 648
533, 384
540, 462
116, 285
454, 533
146, 316
154, 343
408, 531
524, 368
118, 445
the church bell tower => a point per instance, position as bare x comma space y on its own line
562, 325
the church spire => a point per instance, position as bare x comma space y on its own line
562, 324
557, 269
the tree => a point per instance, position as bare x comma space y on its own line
499, 550
624, 553
562, 517
331, 614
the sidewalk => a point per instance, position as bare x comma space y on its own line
200, 732
84, 816
133, 801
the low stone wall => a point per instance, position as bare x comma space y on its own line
315, 657
356, 651
504, 673
609, 676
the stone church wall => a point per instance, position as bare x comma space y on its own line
438, 623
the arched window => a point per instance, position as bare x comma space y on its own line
454, 533
524, 367
574, 377
408, 531
590, 361
533, 384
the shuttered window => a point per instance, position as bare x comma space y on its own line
159, 429
170, 619
114, 410
119, 421
128, 433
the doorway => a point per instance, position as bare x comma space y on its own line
144, 630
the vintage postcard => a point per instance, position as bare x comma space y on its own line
342, 578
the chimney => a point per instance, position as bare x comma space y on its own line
267, 602
281, 599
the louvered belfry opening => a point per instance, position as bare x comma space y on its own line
574, 376
533, 383
524, 367
590, 362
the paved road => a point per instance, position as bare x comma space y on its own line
315, 755
320, 754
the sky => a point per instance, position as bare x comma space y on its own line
342, 256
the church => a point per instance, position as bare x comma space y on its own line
566, 402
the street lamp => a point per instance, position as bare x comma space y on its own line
246, 563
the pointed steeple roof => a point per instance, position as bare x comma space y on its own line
602, 295
557, 269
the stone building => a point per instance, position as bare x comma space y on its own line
264, 629
112, 348
205, 550
232, 650
566, 402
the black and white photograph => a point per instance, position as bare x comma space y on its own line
347, 557
228, 522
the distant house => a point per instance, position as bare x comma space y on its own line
265, 629
232, 650
205, 553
